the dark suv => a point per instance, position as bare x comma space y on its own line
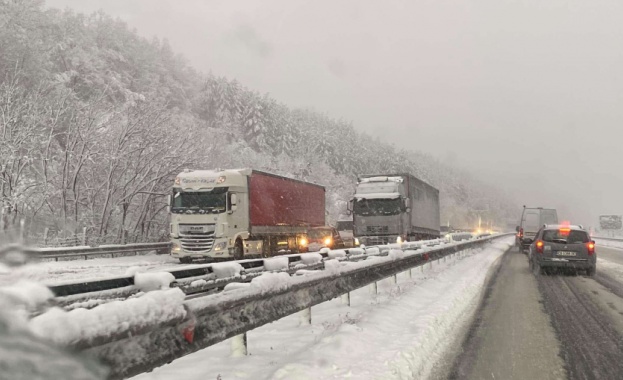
562, 246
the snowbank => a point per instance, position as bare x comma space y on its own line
271, 281
80, 324
276, 263
372, 251
311, 258
396, 254
225, 270
332, 266
236, 285
198, 283
26, 294
148, 282
337, 253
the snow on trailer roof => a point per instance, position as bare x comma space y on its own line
381, 179
377, 196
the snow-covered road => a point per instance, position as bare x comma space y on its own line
399, 333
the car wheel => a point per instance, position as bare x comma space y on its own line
590, 272
238, 250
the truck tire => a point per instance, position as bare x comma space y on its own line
238, 250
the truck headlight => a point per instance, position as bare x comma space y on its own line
220, 246
176, 248
356, 241
399, 240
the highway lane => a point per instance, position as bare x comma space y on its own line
557, 326
614, 255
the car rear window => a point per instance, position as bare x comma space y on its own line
566, 237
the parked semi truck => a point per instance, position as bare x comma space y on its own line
228, 214
394, 208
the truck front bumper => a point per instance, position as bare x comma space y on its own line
183, 249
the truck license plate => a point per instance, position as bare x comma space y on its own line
566, 253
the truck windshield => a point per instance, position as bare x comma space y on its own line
372, 207
214, 201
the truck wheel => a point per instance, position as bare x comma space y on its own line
238, 250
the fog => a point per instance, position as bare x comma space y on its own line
526, 95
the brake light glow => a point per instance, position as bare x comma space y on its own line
539, 246
565, 231
327, 241
591, 248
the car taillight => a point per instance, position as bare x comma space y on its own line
591, 248
521, 232
539, 246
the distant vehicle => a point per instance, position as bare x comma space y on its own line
345, 229
532, 219
323, 237
562, 246
459, 236
228, 214
394, 208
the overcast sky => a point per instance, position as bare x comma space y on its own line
528, 94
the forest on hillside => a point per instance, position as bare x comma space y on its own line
96, 121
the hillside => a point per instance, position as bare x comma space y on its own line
97, 120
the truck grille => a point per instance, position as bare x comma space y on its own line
199, 242
377, 229
379, 240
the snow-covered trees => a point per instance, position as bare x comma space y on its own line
95, 122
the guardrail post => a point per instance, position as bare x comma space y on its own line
45, 236
84, 236
374, 288
22, 223
346, 299
239, 346
305, 317
410, 274
395, 279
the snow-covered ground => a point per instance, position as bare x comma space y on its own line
611, 268
609, 243
53, 272
398, 334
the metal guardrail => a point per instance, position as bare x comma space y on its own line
608, 238
141, 349
68, 252
194, 271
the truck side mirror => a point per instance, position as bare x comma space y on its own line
233, 202
349, 207
407, 202
169, 198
